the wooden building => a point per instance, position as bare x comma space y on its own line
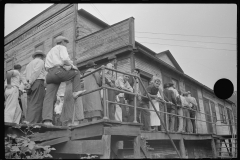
93, 39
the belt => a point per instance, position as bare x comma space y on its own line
56, 66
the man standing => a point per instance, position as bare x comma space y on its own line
12, 111
122, 83
169, 96
60, 69
193, 105
134, 83
34, 75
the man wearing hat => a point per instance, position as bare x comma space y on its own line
170, 97
193, 106
60, 69
35, 76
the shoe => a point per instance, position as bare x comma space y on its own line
77, 94
48, 123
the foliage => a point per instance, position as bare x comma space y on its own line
23, 148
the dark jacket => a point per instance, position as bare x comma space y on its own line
169, 97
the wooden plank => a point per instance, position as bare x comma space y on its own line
87, 131
215, 155
122, 130
136, 147
50, 135
80, 147
182, 148
55, 141
106, 139
36, 20
144, 148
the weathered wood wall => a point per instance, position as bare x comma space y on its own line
102, 42
198, 149
57, 19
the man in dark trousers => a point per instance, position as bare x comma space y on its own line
134, 83
60, 69
35, 76
169, 96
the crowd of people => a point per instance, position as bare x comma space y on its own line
34, 94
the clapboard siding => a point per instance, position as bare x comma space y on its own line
85, 27
36, 20
61, 23
123, 65
149, 67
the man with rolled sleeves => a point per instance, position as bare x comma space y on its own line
60, 69
34, 74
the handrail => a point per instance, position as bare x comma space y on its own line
106, 102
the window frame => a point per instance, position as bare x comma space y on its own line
39, 44
214, 113
222, 113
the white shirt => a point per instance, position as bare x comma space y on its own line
15, 79
184, 101
56, 56
174, 91
34, 70
126, 85
58, 107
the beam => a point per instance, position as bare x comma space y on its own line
106, 139
182, 148
50, 135
80, 147
87, 132
122, 130
55, 141
214, 148
136, 147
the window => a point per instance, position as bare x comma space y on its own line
145, 82
222, 113
53, 40
213, 112
40, 47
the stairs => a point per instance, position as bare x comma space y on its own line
227, 147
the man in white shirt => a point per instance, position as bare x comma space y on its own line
34, 75
60, 69
122, 83
193, 105
12, 110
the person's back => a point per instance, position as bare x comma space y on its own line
169, 96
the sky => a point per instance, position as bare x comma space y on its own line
201, 37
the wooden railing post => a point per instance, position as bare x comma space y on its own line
135, 105
104, 94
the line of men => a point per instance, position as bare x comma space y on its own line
40, 100
60, 68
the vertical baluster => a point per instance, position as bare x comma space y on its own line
104, 94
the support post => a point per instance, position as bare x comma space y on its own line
104, 94
136, 147
182, 148
213, 148
107, 147
218, 147
135, 106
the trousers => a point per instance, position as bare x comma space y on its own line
12, 111
35, 102
55, 76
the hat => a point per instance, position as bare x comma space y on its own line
136, 70
170, 84
60, 39
188, 92
165, 85
90, 64
37, 52
109, 65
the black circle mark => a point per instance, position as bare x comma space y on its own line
223, 88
